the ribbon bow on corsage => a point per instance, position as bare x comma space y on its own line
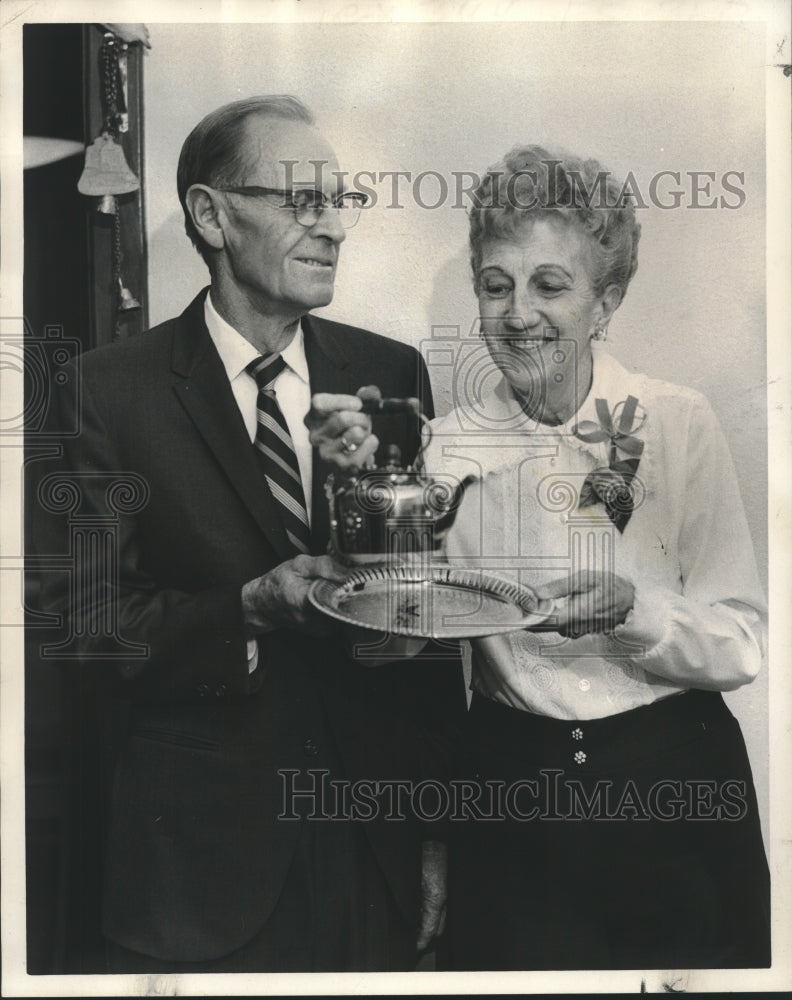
612, 484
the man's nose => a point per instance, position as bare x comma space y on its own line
329, 225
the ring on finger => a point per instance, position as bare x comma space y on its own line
349, 447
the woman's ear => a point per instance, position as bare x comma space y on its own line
202, 204
610, 300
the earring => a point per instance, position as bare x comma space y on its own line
600, 332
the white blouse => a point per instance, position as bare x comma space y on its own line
699, 616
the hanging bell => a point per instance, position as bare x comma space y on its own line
127, 299
107, 204
106, 170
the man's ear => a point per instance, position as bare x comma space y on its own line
205, 210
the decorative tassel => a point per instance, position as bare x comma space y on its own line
127, 300
107, 204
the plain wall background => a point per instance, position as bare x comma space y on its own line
455, 97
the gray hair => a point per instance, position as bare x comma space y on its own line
531, 181
214, 153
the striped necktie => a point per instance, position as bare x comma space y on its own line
274, 443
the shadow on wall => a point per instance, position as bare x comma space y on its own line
187, 273
446, 326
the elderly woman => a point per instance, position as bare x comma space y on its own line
609, 816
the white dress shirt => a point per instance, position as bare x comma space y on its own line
292, 389
699, 615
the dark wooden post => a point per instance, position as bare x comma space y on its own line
106, 322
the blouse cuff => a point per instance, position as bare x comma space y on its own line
252, 655
647, 620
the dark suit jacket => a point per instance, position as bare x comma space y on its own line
196, 855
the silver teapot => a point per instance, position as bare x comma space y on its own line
392, 514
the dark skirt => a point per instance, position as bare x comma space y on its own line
626, 842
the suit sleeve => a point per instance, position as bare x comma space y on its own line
145, 641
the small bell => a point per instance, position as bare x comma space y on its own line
106, 170
107, 204
128, 301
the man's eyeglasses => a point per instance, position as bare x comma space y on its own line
308, 204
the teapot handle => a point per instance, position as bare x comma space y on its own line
410, 405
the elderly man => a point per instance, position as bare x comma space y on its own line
221, 854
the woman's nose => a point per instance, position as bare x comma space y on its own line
522, 314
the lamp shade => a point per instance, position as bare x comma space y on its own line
38, 151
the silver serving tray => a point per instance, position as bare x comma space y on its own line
430, 603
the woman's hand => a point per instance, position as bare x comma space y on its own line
340, 432
588, 601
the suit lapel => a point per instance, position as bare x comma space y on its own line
201, 386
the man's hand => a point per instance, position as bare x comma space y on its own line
340, 431
434, 889
279, 599
588, 601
